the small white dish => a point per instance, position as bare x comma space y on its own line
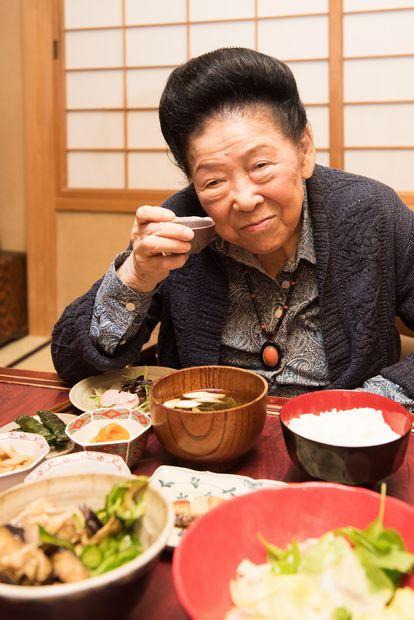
82, 394
80, 463
177, 483
28, 444
84, 429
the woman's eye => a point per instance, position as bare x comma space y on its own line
213, 183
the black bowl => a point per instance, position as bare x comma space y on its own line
366, 465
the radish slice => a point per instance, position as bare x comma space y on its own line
114, 397
207, 397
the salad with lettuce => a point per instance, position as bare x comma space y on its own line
346, 574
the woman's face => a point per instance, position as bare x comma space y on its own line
249, 178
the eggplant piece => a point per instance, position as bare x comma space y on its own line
54, 425
92, 521
30, 425
18, 532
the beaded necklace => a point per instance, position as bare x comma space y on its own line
270, 353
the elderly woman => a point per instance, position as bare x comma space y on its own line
307, 271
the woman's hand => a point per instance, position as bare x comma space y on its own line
159, 245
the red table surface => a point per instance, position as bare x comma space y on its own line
268, 460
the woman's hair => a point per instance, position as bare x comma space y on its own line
221, 82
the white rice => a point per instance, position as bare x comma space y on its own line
362, 426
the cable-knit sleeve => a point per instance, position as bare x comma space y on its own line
74, 354
402, 372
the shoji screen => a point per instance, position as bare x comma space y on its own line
119, 53
379, 90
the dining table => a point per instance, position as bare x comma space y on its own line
25, 392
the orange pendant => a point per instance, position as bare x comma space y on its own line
270, 354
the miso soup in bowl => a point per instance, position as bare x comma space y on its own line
209, 414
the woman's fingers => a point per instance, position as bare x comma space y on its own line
159, 246
169, 230
153, 245
164, 264
146, 214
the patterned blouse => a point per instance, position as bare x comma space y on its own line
120, 311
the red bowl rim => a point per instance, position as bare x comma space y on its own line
391, 402
178, 552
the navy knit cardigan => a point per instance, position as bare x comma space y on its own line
364, 243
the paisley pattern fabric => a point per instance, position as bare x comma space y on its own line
303, 365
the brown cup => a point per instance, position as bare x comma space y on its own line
203, 228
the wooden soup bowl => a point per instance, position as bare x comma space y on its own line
209, 437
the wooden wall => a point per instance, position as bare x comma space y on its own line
12, 233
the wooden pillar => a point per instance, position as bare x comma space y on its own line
37, 37
336, 94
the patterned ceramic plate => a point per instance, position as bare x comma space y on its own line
80, 463
82, 393
65, 417
181, 483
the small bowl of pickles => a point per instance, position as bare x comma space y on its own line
115, 430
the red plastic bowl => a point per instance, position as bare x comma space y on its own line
207, 557
348, 465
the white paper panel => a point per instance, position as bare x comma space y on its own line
378, 79
312, 79
144, 86
81, 13
379, 125
299, 37
207, 37
144, 130
165, 45
217, 9
97, 170
94, 89
95, 129
322, 158
395, 168
318, 117
94, 48
154, 171
154, 11
357, 5
379, 33
291, 7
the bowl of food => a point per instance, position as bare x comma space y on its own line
20, 453
73, 547
310, 550
346, 436
208, 414
116, 431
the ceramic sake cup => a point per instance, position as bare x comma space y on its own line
203, 228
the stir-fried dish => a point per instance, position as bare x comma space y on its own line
11, 460
346, 574
45, 544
